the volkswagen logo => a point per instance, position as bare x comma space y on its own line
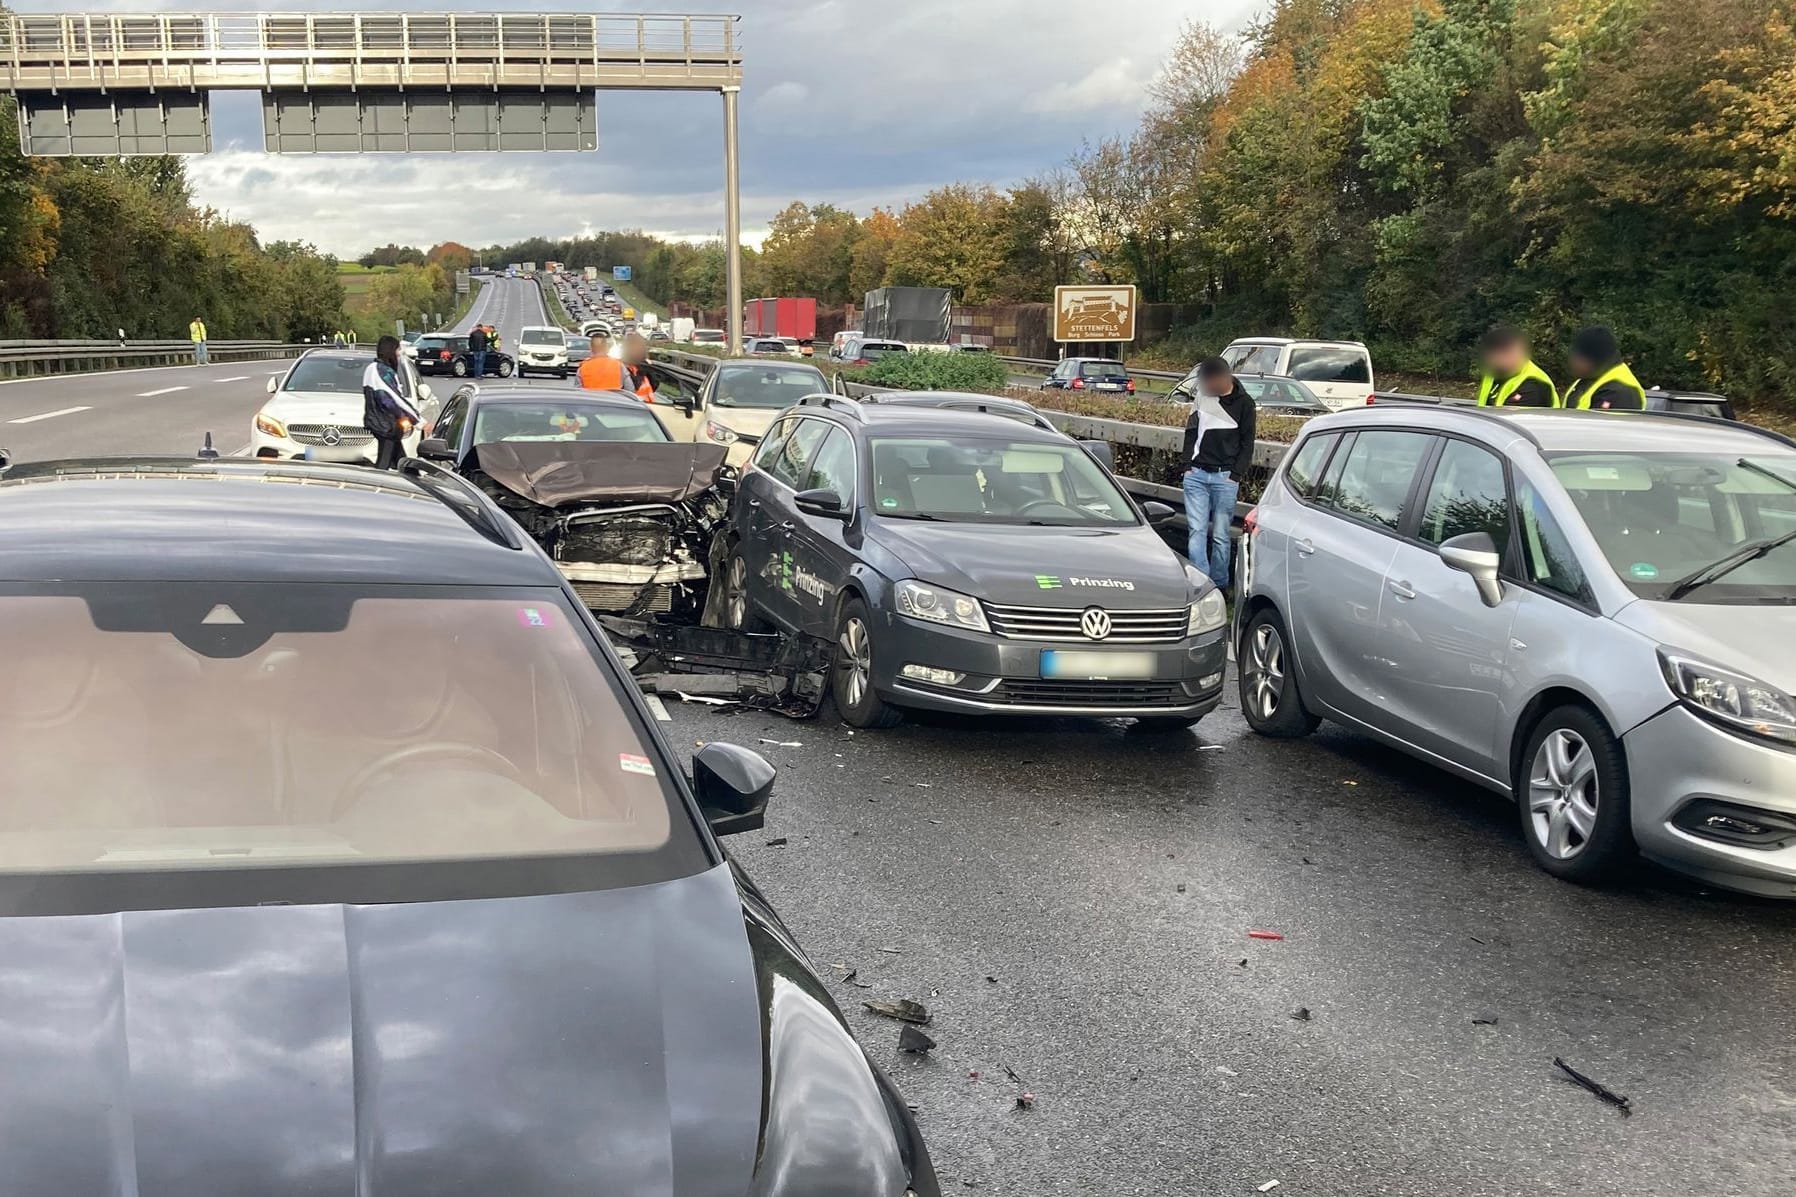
330, 435
1095, 623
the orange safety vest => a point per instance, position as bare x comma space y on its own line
607, 373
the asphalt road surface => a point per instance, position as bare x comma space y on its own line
1072, 901
170, 409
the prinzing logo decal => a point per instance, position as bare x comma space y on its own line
809, 583
1047, 581
1053, 582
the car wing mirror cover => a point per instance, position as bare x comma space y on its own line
821, 502
1475, 553
732, 785
435, 448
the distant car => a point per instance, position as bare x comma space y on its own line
802, 348
1270, 393
862, 351
443, 353
1696, 403
315, 408
710, 336
1089, 374
579, 348
542, 349
658, 334
408, 344
769, 345
741, 397
596, 328
1339, 372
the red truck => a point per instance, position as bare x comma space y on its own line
784, 317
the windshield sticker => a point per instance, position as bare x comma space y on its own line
888, 502
534, 617
631, 762
1646, 571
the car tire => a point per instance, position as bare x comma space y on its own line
459, 368
1270, 700
851, 671
505, 369
738, 612
1573, 799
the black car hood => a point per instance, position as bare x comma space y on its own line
1041, 567
553, 473
607, 1042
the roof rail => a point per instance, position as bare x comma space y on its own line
461, 497
1721, 421
842, 403
1464, 407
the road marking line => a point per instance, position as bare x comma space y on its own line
48, 415
232, 378
163, 391
273, 373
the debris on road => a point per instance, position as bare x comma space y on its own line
1241, 963
912, 1039
1025, 1101
1011, 1073
720, 667
1301, 1014
1269, 1186
990, 980
1181, 887
893, 951
1265, 935
1596, 1088
778, 841
783, 743
1225, 1070
1485, 1020
972, 1074
703, 700
904, 1010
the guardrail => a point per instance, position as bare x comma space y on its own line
24, 359
1046, 366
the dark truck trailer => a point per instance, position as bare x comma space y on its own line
783, 317
915, 315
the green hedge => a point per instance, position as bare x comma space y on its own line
935, 372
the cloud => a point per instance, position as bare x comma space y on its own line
853, 102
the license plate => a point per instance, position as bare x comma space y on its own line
1095, 667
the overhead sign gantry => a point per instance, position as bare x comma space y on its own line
113, 84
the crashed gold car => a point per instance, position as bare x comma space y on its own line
626, 514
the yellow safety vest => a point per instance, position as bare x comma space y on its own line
196, 331
1578, 395
1511, 385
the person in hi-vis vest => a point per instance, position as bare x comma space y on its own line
196, 332
1511, 379
1600, 378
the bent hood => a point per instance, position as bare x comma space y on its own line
553, 473
1128, 567
585, 1043
1759, 641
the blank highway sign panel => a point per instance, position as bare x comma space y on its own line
324, 122
114, 124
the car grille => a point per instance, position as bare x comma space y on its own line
313, 434
1059, 623
609, 596
1028, 692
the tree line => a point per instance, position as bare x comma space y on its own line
90, 246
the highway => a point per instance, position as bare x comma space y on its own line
170, 409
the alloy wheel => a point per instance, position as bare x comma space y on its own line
1562, 794
736, 593
1265, 671
856, 661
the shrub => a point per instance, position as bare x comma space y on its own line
937, 372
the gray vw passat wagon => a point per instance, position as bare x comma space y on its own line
1589, 611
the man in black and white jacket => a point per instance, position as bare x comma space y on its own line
387, 412
1219, 439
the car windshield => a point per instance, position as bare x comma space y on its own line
981, 480
708, 334
1104, 370
1323, 363
499, 736
766, 386
1660, 518
540, 336
333, 375
565, 422
874, 350
1273, 392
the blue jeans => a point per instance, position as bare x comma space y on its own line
1209, 508
479, 363
199, 353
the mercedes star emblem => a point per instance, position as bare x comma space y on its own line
331, 435
1095, 623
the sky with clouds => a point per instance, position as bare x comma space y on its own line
854, 102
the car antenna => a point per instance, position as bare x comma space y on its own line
207, 452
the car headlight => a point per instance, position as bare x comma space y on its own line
271, 426
1730, 698
1208, 613
717, 432
922, 601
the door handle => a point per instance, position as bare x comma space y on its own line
1305, 546
755, 503
787, 526
1403, 590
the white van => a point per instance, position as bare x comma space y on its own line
1340, 372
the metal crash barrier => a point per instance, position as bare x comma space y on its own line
24, 359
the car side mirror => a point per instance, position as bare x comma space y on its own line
825, 503
1157, 513
274, 384
1103, 452
732, 785
435, 448
1476, 553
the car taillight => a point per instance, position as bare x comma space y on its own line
1130, 384
1250, 523
1371, 399
1078, 384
